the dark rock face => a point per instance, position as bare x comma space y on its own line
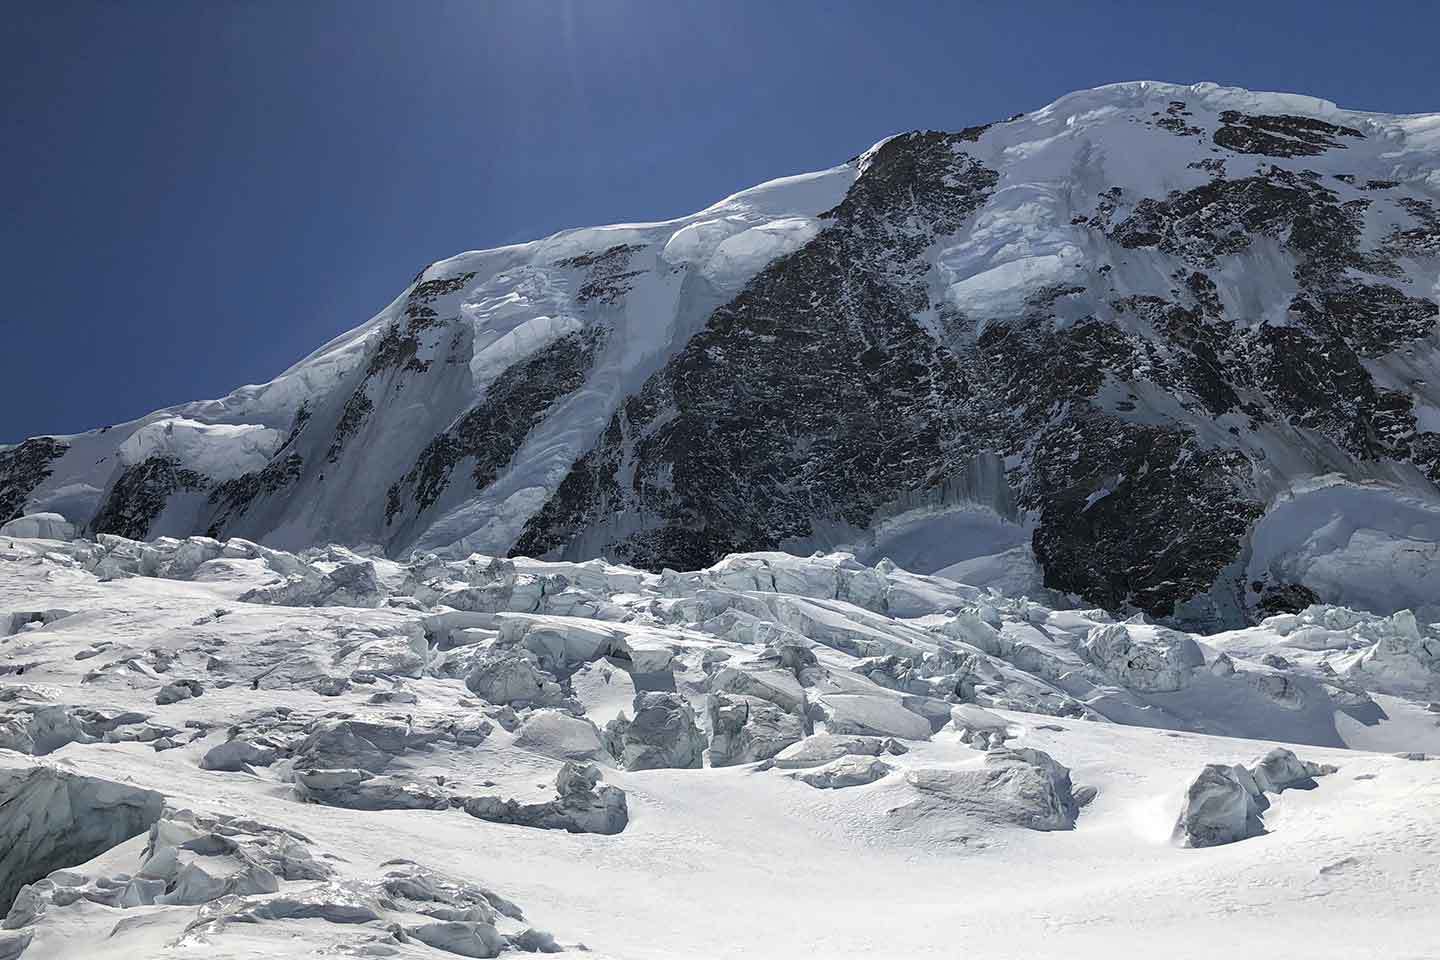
233, 497
357, 408
607, 279
1421, 240
22, 469
815, 394
1140, 516
1225, 217
1311, 370
1279, 136
1285, 597
140, 494
821, 344
1174, 120
396, 352
493, 429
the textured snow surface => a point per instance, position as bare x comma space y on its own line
912, 763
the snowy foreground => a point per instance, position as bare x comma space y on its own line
223, 750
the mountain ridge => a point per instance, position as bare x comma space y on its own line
1096, 296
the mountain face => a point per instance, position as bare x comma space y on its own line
1158, 347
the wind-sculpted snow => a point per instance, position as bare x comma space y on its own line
1105, 349
268, 753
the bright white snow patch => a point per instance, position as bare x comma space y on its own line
220, 451
1367, 547
740, 257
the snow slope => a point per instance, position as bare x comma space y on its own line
328, 660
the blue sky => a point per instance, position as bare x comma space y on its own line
197, 193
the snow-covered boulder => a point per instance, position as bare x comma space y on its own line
531, 940
352, 584
1275, 686
336, 744
978, 727
1226, 802
25, 620
417, 889
663, 734
824, 747
465, 938
201, 879
35, 727
512, 678
237, 755
1405, 657
1280, 770
836, 576
357, 789
560, 645
179, 690
877, 715
173, 559
779, 686
978, 627
38, 729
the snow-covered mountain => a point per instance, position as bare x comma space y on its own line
1168, 348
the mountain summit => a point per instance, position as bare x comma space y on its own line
1162, 348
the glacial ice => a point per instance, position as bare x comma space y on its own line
778, 707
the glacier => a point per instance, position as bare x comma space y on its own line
228, 748
1020, 539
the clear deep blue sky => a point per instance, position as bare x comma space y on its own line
197, 193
